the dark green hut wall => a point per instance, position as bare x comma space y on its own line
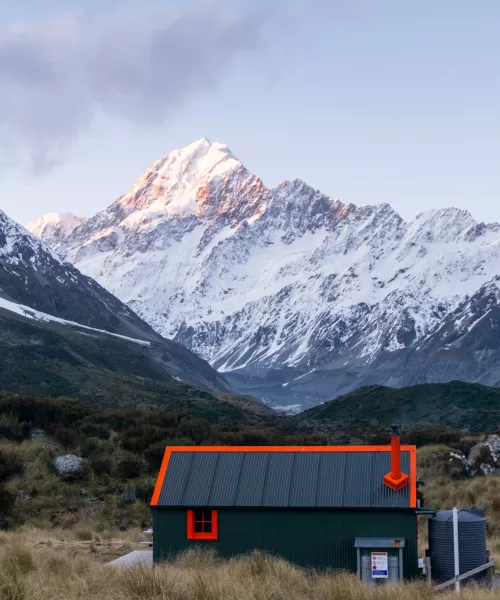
315, 538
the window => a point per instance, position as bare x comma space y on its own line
201, 524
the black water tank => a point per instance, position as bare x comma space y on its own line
471, 543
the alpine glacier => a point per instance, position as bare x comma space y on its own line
294, 296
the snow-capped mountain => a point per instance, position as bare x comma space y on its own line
37, 285
54, 227
295, 296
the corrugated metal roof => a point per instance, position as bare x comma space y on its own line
340, 479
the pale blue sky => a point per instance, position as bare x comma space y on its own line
369, 101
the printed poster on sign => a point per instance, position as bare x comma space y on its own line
380, 565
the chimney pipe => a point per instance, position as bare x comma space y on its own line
395, 479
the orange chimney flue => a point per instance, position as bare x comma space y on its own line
395, 479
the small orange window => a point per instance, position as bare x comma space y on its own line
201, 524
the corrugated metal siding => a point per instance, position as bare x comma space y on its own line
282, 479
314, 538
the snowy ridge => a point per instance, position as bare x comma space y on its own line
281, 284
18, 246
29, 313
54, 225
36, 283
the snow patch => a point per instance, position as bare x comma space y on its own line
30, 313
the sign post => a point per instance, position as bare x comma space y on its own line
380, 565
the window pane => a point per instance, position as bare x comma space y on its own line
207, 527
198, 526
207, 515
199, 515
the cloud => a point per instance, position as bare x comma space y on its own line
56, 75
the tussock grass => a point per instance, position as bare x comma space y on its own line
29, 571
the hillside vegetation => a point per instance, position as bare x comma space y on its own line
455, 404
51, 359
121, 450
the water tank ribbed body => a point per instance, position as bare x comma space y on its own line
471, 543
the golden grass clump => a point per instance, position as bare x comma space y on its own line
36, 570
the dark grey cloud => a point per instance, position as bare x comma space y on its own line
141, 65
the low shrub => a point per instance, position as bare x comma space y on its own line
129, 467
101, 464
101, 431
90, 446
64, 435
10, 465
11, 429
6, 504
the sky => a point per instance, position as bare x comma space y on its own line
368, 101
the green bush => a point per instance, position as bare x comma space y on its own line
129, 467
11, 429
63, 435
6, 504
90, 446
431, 434
101, 431
41, 412
137, 439
101, 464
154, 455
197, 430
10, 465
144, 491
116, 420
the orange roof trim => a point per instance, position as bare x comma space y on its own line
161, 477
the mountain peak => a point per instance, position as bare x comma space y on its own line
182, 183
447, 213
450, 224
54, 226
202, 154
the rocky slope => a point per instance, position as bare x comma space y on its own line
295, 296
50, 312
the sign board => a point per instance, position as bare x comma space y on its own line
380, 565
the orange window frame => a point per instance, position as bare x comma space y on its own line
198, 535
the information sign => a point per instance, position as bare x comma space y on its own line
380, 565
